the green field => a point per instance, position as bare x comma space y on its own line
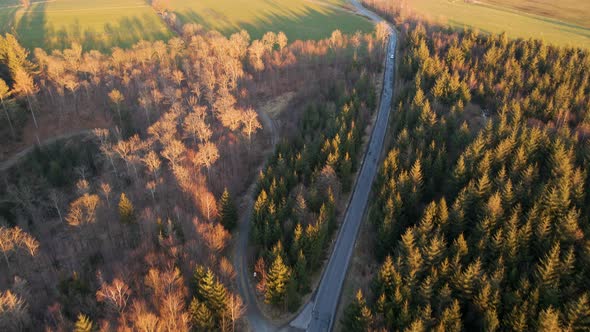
299, 19
573, 11
99, 24
102, 24
563, 27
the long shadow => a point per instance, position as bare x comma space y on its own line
30, 27
308, 23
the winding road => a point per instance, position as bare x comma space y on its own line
318, 314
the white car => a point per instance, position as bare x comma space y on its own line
391, 56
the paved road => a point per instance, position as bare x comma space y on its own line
318, 314
325, 303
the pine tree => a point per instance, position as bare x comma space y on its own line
83, 324
292, 296
549, 321
212, 292
578, 314
198, 276
301, 274
357, 316
388, 277
450, 320
227, 211
126, 210
549, 271
276, 286
201, 317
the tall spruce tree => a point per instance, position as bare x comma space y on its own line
276, 285
228, 212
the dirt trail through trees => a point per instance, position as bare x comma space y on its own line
15, 159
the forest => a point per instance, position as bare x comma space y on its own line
480, 213
129, 226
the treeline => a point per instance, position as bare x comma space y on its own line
299, 191
481, 208
127, 228
132, 87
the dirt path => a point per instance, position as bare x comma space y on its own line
16, 158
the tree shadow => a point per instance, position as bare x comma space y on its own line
307, 23
29, 27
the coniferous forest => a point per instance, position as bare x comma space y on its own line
480, 209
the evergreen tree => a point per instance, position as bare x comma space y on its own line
201, 317
212, 293
227, 211
83, 324
301, 274
549, 321
276, 285
126, 210
357, 316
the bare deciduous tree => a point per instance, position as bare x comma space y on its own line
207, 155
115, 295
83, 210
282, 40
12, 239
14, 312
117, 98
235, 308
213, 234
5, 93
173, 152
105, 188
25, 87
195, 126
152, 163
251, 125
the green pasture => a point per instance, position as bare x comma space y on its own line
298, 19
496, 16
96, 24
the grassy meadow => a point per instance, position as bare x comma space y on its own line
98, 24
563, 22
299, 19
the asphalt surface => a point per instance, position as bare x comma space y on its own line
328, 293
318, 313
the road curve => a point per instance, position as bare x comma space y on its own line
321, 312
256, 319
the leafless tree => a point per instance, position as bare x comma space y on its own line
25, 86
251, 125
14, 312
5, 93
55, 196
83, 210
115, 295
207, 155
173, 152
117, 98
235, 308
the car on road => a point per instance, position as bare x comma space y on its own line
391, 56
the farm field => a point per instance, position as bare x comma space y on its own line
299, 19
508, 15
573, 11
99, 24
